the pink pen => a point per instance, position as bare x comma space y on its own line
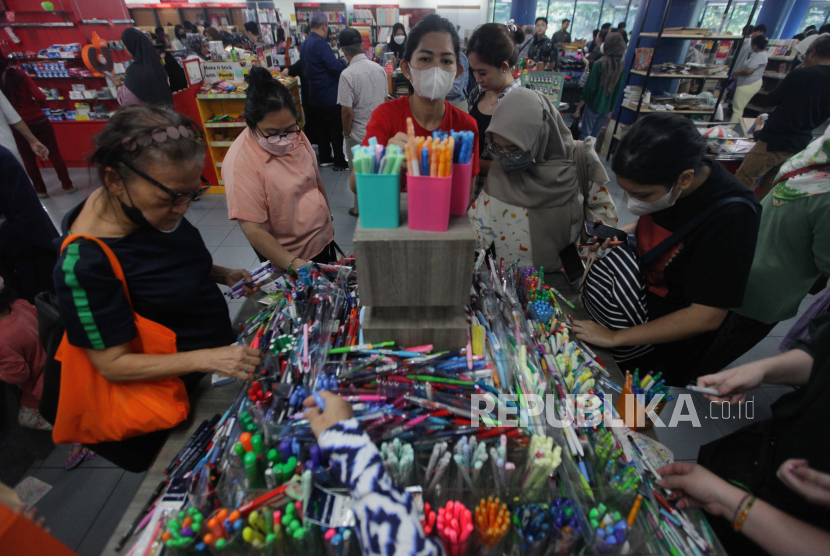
420, 349
364, 398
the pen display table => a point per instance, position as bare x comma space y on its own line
415, 284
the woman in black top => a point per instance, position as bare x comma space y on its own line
690, 288
149, 163
492, 54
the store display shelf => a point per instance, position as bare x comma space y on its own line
220, 96
692, 37
226, 124
63, 122
70, 77
649, 110
221, 143
44, 59
679, 76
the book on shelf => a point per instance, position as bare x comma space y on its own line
642, 58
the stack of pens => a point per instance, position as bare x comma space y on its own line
259, 274
492, 521
399, 461
429, 156
455, 526
377, 159
469, 456
463, 146
644, 392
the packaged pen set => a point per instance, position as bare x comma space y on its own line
439, 174
258, 483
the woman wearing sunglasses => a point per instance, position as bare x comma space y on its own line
273, 186
149, 163
531, 208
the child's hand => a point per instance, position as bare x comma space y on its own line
337, 409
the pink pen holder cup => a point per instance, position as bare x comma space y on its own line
428, 202
379, 200
462, 175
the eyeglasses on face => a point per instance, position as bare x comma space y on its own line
498, 152
291, 135
178, 197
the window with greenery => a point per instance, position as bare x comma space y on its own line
613, 13
501, 12
585, 20
541, 10
632, 15
557, 11
816, 15
737, 18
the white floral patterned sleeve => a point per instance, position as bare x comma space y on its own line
600, 205
506, 225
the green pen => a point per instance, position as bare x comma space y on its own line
349, 349
440, 380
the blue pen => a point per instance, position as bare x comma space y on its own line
318, 399
424, 161
393, 353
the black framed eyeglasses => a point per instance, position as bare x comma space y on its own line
291, 135
178, 197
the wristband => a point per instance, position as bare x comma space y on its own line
741, 518
292, 262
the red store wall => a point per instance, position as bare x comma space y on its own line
74, 138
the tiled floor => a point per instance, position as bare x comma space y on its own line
85, 504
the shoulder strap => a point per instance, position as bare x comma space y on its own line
116, 266
661, 248
581, 160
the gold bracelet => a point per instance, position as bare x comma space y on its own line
739, 521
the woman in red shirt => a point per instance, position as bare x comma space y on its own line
27, 99
431, 65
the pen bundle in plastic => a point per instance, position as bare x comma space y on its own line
183, 529
399, 461
376, 159
455, 527
470, 457
258, 274
463, 148
492, 520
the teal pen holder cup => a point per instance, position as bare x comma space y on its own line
462, 176
428, 200
379, 200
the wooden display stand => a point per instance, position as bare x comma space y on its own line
415, 284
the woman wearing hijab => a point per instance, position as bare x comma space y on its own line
145, 81
197, 47
531, 207
603, 87
398, 42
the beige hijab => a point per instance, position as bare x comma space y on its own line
550, 189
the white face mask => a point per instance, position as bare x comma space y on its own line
399, 39
433, 83
640, 208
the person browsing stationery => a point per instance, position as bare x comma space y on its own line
397, 42
531, 208
273, 186
145, 80
691, 285
602, 88
749, 76
493, 54
431, 64
128, 252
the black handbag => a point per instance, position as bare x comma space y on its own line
575, 132
51, 330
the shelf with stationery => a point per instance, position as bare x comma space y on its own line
643, 66
220, 132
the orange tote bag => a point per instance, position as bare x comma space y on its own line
92, 409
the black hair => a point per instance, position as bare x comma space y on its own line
596, 32
280, 34
566, 20
605, 26
603, 34
176, 30
809, 28
252, 27
799, 36
433, 23
760, 41
821, 47
265, 95
494, 44
542, 19
188, 26
747, 30
621, 25
824, 29
761, 27
135, 124
159, 30
810, 33
657, 149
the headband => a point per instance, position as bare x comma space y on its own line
159, 135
